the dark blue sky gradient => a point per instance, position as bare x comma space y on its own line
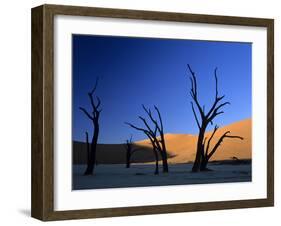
153, 71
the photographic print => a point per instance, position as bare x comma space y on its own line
137, 112
159, 112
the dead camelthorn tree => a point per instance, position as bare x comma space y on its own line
94, 117
88, 147
156, 135
129, 152
154, 148
203, 154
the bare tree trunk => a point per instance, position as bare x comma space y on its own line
202, 153
164, 162
129, 152
164, 153
154, 148
128, 159
198, 156
156, 172
160, 144
88, 148
197, 161
203, 166
94, 117
155, 152
91, 165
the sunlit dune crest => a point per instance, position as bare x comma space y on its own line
181, 147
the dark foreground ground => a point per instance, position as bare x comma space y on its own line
142, 175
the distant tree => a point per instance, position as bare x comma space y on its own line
94, 117
154, 148
129, 152
155, 135
88, 148
203, 154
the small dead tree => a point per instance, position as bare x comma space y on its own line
154, 148
94, 117
129, 150
88, 147
203, 154
158, 143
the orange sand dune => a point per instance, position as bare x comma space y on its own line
181, 147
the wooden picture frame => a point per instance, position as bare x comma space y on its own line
42, 203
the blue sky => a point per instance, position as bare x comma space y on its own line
152, 71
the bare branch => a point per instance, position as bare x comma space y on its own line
197, 121
213, 109
215, 115
147, 126
160, 118
152, 134
192, 87
145, 109
221, 105
95, 87
86, 113
91, 100
96, 114
199, 107
98, 104
192, 72
216, 78
150, 131
193, 80
238, 137
209, 141
193, 92
155, 130
95, 107
137, 128
152, 137
225, 135
148, 111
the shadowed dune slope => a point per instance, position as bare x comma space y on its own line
181, 147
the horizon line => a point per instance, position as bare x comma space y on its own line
192, 134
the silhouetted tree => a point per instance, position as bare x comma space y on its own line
154, 148
203, 154
129, 152
94, 117
88, 147
158, 143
